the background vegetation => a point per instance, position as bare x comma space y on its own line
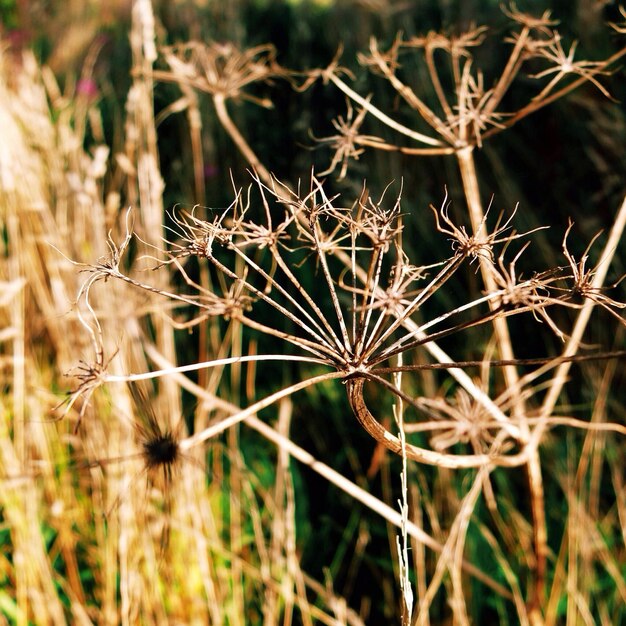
118, 503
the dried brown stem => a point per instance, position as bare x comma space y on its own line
354, 388
219, 100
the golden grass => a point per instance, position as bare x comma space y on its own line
88, 536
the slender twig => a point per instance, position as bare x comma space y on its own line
219, 100
403, 130
194, 367
230, 421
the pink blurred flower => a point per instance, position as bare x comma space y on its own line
87, 88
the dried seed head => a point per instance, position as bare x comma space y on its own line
160, 447
161, 451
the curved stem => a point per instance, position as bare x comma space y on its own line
354, 388
385, 119
225, 120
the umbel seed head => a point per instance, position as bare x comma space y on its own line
161, 451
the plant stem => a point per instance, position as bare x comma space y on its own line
226, 423
469, 177
219, 101
535, 482
208, 364
403, 130
148, 180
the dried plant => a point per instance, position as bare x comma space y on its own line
467, 112
337, 285
226, 73
365, 321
